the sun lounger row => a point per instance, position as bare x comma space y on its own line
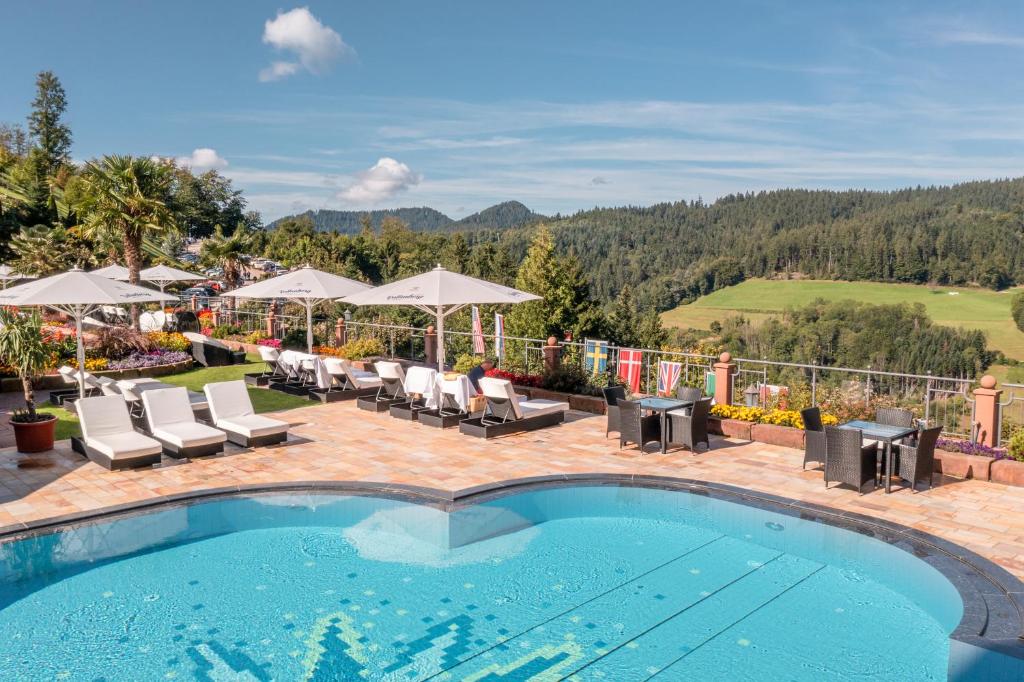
110, 438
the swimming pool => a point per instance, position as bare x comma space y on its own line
594, 582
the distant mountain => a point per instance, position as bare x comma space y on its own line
499, 216
422, 219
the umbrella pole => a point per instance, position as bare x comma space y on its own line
440, 339
80, 351
309, 326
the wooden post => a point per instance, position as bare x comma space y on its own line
724, 369
986, 412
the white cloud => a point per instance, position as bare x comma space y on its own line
202, 159
383, 180
968, 37
315, 45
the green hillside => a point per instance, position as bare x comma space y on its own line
972, 308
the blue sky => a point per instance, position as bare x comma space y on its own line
561, 105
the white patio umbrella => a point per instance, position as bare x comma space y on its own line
7, 274
118, 272
439, 293
306, 286
162, 275
77, 294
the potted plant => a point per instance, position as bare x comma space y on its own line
23, 347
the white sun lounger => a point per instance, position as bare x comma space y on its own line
231, 411
391, 388
172, 422
507, 413
108, 437
350, 377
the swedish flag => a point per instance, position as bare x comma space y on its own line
595, 356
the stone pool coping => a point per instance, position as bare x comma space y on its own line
993, 598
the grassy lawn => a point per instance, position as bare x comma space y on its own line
758, 299
262, 399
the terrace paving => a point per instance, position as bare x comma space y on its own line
338, 442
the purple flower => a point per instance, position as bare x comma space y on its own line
156, 358
968, 448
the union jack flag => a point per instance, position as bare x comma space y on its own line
630, 364
478, 333
668, 376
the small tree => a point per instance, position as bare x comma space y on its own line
23, 347
1017, 309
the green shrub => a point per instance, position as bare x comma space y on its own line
224, 331
466, 362
1016, 445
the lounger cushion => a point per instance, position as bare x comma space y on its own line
228, 399
124, 445
253, 426
536, 408
188, 434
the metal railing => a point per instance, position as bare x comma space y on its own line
1010, 417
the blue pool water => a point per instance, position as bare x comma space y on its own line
586, 583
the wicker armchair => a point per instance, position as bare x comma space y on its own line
917, 462
690, 394
894, 416
846, 460
612, 396
814, 436
692, 429
634, 427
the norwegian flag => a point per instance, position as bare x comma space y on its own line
478, 333
630, 362
668, 376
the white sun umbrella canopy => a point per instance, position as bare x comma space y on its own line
118, 272
306, 286
440, 293
77, 293
7, 274
162, 275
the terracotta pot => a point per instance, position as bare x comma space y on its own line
34, 436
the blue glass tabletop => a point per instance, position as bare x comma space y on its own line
879, 431
656, 403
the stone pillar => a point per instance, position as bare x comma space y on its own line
724, 369
214, 318
430, 344
986, 412
552, 355
194, 303
339, 332
270, 323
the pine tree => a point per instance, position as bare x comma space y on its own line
624, 319
51, 136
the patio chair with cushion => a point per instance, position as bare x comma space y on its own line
108, 437
391, 389
172, 422
634, 427
915, 463
508, 413
814, 436
345, 381
690, 430
211, 352
847, 460
231, 411
612, 396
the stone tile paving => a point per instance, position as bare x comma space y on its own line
338, 442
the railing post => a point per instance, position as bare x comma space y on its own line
724, 370
814, 385
430, 346
552, 355
986, 411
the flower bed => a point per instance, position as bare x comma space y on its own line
154, 358
757, 415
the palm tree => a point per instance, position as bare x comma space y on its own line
229, 251
122, 198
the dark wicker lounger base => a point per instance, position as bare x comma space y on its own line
78, 445
257, 379
441, 421
407, 410
296, 388
258, 441
335, 394
475, 426
59, 395
208, 450
372, 404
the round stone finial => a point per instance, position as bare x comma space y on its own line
988, 381
552, 341
430, 329
725, 357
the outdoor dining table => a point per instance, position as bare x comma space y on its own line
883, 433
662, 406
